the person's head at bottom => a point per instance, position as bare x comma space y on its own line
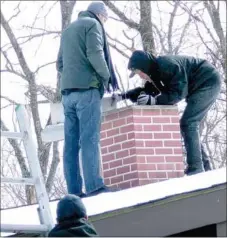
72, 219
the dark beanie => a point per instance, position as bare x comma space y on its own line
70, 207
143, 61
98, 8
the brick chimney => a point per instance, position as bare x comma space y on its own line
141, 145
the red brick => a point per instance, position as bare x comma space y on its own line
122, 154
132, 151
128, 144
115, 163
130, 135
142, 120
126, 129
109, 173
152, 128
175, 174
144, 151
134, 183
123, 170
165, 166
157, 174
175, 119
163, 151
120, 138
137, 112
143, 174
124, 185
176, 135
125, 113
139, 143
113, 132
173, 159
106, 126
106, 142
141, 159
108, 157
105, 166
155, 159
161, 119
129, 120
107, 181
118, 123
130, 160
171, 127
162, 135
117, 179
104, 151
178, 151
132, 175
139, 135
138, 128
152, 143
179, 166
114, 148
111, 117
172, 143
151, 112
170, 112
103, 135
134, 167
145, 181
146, 167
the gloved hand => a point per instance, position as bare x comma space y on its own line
144, 99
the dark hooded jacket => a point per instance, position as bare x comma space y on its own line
174, 77
73, 228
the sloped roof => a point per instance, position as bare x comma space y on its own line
109, 202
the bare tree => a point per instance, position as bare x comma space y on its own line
28, 75
156, 38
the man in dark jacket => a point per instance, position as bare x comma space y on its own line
72, 219
169, 79
86, 70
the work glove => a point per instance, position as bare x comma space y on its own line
144, 99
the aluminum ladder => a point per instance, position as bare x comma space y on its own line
36, 178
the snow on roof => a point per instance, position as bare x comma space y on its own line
126, 198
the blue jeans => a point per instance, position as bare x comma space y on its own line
82, 110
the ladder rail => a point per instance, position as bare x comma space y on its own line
25, 181
18, 228
36, 178
12, 135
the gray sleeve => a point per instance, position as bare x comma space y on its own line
95, 52
59, 63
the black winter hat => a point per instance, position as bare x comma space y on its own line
70, 207
143, 61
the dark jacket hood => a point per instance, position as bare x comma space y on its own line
73, 228
143, 61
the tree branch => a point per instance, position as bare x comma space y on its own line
121, 15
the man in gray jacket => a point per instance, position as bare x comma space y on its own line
86, 70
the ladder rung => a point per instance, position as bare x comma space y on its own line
16, 228
12, 135
25, 181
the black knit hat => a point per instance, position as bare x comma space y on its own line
70, 207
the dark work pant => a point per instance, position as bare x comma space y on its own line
198, 104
